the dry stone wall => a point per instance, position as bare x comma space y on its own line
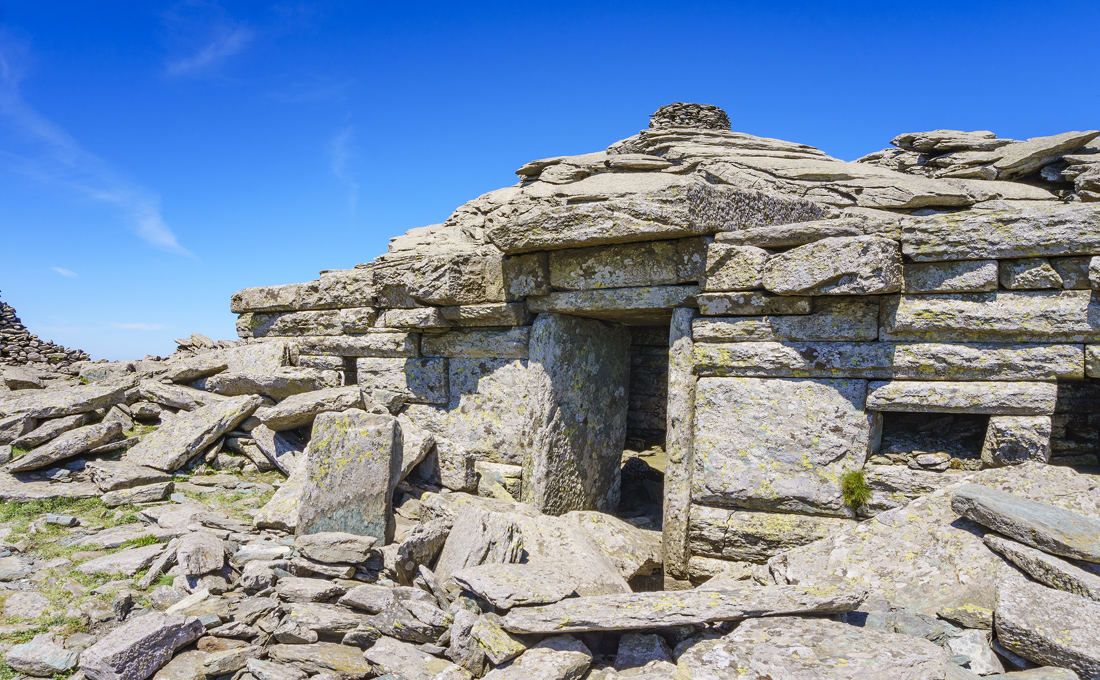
20, 346
907, 317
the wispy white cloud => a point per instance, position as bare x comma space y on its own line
64, 272
137, 326
52, 155
340, 156
229, 40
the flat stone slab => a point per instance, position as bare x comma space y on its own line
967, 276
127, 562
941, 396
618, 304
404, 660
335, 547
182, 438
279, 384
885, 360
654, 263
778, 444
63, 401
752, 303
508, 585
67, 445
833, 320
556, 658
1010, 440
200, 552
42, 657
1000, 234
111, 475
1049, 627
138, 648
323, 657
813, 649
479, 344
1040, 525
672, 608
751, 535
301, 409
351, 469
840, 265
1079, 578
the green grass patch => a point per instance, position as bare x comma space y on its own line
140, 542
854, 489
78, 507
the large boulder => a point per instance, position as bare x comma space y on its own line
351, 468
138, 648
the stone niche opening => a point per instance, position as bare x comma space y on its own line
642, 485
1075, 434
932, 441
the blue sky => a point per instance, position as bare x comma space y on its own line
155, 157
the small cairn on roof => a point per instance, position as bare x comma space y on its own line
680, 114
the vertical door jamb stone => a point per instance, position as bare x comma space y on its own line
679, 443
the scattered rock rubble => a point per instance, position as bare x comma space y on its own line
415, 470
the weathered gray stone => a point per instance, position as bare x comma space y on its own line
323, 657
779, 444
200, 552
1037, 231
509, 344
112, 475
636, 650
176, 396
679, 444
556, 658
496, 314
42, 657
1029, 273
916, 361
813, 649
129, 561
404, 660
301, 409
266, 670
458, 277
276, 449
67, 445
280, 384
752, 304
787, 235
335, 289
325, 363
177, 442
1010, 440
335, 547
26, 605
228, 661
321, 322
922, 557
49, 429
660, 206
1021, 158
303, 590
635, 551
499, 645
63, 401
673, 608
14, 427
833, 320
135, 650
1074, 271
942, 396
753, 536
351, 470
1079, 578
966, 276
656, 263
633, 305
850, 265
941, 141
734, 267
258, 357
282, 510
478, 537
374, 343
1038, 524
527, 274
148, 493
203, 365
417, 317
580, 374
324, 619
1048, 626
421, 381
508, 585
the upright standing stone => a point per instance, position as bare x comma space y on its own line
1011, 440
679, 442
580, 383
351, 469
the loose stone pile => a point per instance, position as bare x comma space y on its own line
18, 346
702, 405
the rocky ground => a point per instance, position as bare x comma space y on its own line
148, 529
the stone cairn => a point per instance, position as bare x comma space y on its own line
701, 401
19, 346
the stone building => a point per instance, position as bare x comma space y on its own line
779, 321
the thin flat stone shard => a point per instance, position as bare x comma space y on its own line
177, 442
1001, 398
1040, 525
673, 608
1080, 579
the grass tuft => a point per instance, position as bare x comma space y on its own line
853, 487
